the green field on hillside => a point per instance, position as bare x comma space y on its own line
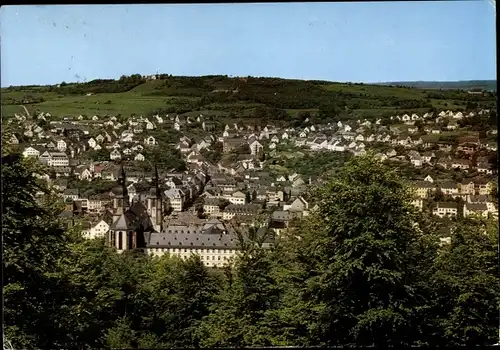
220, 96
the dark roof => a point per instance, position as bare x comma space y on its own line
71, 191
136, 219
450, 205
478, 199
476, 206
212, 201
449, 184
485, 165
280, 216
193, 240
277, 225
245, 208
424, 184
202, 240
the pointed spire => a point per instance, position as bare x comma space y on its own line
155, 188
122, 170
121, 175
121, 192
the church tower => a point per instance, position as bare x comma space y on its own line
118, 235
155, 202
121, 199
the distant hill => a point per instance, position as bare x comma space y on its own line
252, 98
488, 85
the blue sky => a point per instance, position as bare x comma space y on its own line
358, 42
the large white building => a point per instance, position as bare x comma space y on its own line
58, 159
446, 209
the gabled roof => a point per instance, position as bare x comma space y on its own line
423, 184
449, 184
476, 206
448, 205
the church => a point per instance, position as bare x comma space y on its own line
141, 225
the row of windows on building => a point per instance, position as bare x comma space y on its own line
179, 250
207, 258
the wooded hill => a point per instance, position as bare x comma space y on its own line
249, 97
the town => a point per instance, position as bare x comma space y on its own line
201, 208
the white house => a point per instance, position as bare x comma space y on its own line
98, 230
238, 197
31, 152
92, 143
86, 175
175, 199
150, 141
139, 157
360, 138
115, 154
446, 209
428, 178
61, 145
255, 147
58, 159
416, 161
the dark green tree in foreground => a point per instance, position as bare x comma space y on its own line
360, 250
370, 270
34, 241
465, 285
